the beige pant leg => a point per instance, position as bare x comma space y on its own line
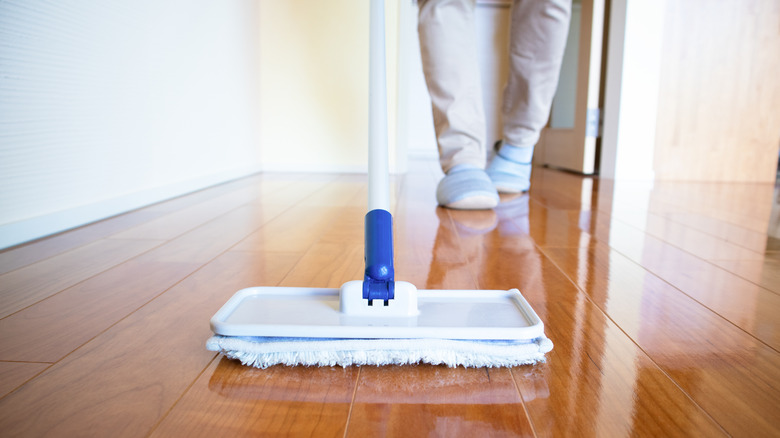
449, 57
538, 37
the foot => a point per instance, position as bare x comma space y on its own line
466, 187
510, 169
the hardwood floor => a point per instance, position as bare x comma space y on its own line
663, 303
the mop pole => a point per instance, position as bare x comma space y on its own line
379, 278
378, 168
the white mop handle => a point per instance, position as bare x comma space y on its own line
378, 167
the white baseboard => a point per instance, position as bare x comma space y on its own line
26, 230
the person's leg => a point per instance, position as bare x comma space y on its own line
449, 57
538, 37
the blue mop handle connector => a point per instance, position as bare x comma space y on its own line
379, 282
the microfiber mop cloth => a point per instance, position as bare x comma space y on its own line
263, 352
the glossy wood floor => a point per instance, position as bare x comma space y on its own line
663, 303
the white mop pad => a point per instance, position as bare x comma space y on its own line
263, 352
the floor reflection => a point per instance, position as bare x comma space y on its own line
429, 400
232, 380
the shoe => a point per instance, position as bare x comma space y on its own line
466, 187
510, 169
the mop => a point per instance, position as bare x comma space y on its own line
378, 321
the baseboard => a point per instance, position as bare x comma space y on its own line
16, 233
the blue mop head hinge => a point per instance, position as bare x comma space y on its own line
379, 282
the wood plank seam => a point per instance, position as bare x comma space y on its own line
183, 393
213, 191
665, 240
82, 280
522, 401
639, 347
352, 404
719, 314
27, 380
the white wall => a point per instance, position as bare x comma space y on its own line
314, 84
109, 105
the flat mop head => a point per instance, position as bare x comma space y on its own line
308, 326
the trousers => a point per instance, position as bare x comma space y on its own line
448, 49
